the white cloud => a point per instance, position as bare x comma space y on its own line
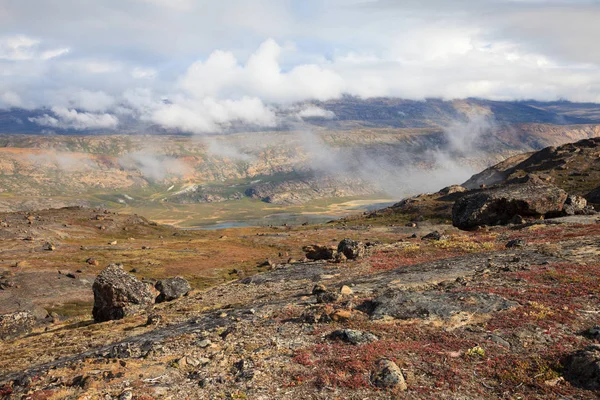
201, 54
11, 99
72, 119
210, 115
23, 48
153, 166
221, 75
315, 112
143, 73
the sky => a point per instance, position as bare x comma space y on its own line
199, 66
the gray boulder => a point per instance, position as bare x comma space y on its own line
594, 196
582, 368
118, 294
351, 249
172, 288
498, 206
16, 324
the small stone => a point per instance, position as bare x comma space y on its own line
49, 246
126, 395
434, 236
352, 336
328, 297
113, 243
319, 288
346, 291
594, 332
204, 343
387, 375
498, 340
341, 315
515, 243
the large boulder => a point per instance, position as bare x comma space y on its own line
118, 294
582, 368
16, 324
351, 249
594, 196
172, 288
500, 205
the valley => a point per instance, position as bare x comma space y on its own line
372, 151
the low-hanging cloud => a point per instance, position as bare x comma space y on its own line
153, 166
65, 118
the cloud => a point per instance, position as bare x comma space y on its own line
153, 166
208, 53
62, 160
23, 48
221, 75
72, 119
315, 112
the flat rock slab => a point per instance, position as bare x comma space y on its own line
408, 305
425, 275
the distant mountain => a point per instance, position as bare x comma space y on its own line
355, 113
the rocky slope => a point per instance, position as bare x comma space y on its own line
417, 312
573, 168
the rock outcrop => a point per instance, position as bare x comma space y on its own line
172, 288
118, 294
498, 206
402, 305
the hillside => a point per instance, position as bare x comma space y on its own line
573, 167
373, 151
418, 311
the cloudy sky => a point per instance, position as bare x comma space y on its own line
93, 63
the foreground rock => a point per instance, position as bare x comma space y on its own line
16, 324
499, 206
582, 368
407, 305
387, 375
172, 288
118, 294
351, 249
